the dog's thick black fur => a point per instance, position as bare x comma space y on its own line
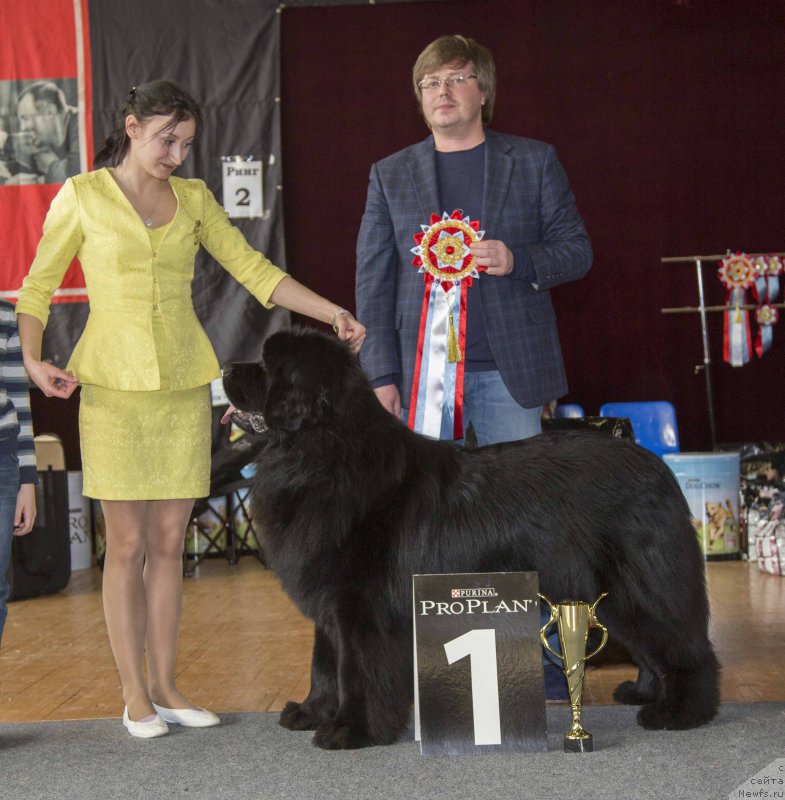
351, 503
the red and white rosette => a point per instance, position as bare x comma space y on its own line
766, 316
737, 273
448, 268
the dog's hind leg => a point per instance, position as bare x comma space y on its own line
321, 704
678, 678
690, 695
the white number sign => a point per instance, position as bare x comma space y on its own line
242, 188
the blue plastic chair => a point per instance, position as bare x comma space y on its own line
565, 410
653, 422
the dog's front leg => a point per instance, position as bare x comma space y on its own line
321, 704
375, 683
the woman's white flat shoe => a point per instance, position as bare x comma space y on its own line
145, 730
188, 717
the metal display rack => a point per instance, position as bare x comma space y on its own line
703, 310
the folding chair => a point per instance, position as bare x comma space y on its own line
653, 421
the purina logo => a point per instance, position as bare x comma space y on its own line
474, 601
474, 593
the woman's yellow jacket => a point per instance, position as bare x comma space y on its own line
128, 282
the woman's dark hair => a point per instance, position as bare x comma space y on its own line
156, 98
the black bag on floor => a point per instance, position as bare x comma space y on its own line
620, 427
41, 560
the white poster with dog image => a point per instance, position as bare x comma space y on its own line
478, 663
710, 484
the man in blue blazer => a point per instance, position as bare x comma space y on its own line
533, 240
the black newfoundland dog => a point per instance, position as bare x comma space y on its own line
351, 503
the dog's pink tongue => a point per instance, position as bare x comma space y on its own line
228, 415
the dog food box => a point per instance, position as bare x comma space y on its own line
710, 484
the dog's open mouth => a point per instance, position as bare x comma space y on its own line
248, 421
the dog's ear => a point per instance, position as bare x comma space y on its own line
306, 376
245, 385
294, 400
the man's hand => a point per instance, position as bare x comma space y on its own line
390, 398
494, 255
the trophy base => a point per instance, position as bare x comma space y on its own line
578, 744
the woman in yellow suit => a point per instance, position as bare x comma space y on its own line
145, 364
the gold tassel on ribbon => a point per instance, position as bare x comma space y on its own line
453, 351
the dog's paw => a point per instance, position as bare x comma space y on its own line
340, 737
656, 718
629, 694
296, 718
653, 718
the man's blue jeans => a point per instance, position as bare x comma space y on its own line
494, 413
9, 489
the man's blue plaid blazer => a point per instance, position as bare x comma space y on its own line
529, 206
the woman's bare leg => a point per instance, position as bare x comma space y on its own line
124, 598
163, 578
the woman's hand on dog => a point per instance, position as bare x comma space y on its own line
350, 330
300, 299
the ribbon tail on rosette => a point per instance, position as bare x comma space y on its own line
774, 268
737, 349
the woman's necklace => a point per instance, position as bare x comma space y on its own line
147, 219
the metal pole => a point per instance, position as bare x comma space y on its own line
687, 259
706, 354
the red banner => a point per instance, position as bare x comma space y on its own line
45, 127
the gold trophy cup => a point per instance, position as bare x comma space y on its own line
574, 618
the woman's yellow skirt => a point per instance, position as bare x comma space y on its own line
145, 445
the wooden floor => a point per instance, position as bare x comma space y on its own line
244, 647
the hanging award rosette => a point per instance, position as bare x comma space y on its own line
737, 273
766, 316
443, 257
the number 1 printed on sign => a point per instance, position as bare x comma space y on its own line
480, 646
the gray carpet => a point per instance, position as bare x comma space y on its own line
250, 756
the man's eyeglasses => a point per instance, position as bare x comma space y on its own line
434, 84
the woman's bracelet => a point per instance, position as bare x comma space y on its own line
341, 312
